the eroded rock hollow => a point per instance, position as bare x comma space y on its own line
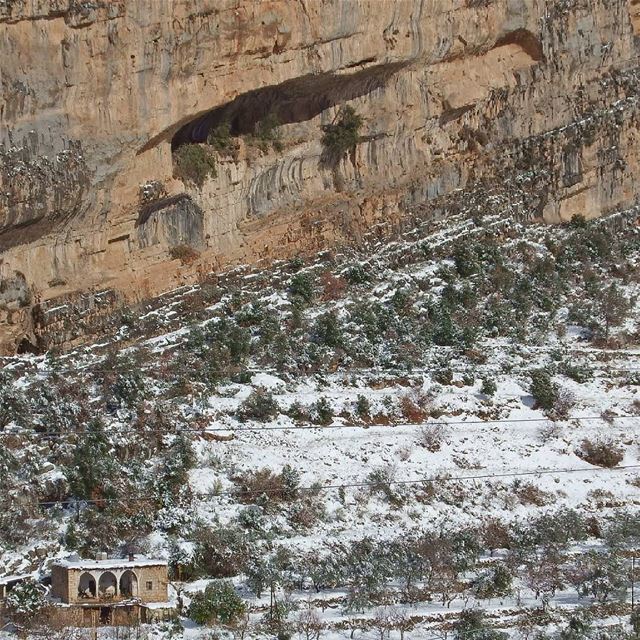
533, 101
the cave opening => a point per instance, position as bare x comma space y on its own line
526, 40
296, 100
26, 346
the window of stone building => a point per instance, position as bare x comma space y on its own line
149, 585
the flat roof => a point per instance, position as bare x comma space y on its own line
111, 563
16, 578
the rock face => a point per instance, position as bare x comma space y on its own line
526, 106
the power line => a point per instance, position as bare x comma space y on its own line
312, 427
363, 484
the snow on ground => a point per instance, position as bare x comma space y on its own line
498, 456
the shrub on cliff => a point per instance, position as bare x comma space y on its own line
343, 134
194, 164
302, 287
221, 140
185, 253
267, 132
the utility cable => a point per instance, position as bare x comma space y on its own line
349, 485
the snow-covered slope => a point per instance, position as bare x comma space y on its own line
474, 374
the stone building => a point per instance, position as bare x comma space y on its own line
111, 591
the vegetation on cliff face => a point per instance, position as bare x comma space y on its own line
222, 141
343, 134
194, 163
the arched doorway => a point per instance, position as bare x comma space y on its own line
128, 584
87, 586
107, 585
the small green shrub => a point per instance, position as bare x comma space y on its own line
543, 390
297, 412
25, 600
363, 407
465, 260
579, 372
578, 221
185, 253
472, 624
194, 164
343, 134
295, 264
322, 413
221, 140
267, 133
260, 405
356, 274
266, 129
327, 330
301, 287
489, 387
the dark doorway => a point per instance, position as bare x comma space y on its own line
106, 615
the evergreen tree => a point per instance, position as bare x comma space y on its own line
322, 411
343, 134
472, 626
302, 286
178, 460
94, 468
218, 603
543, 390
327, 330
25, 601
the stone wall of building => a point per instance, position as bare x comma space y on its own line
152, 582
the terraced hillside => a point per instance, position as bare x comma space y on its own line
364, 444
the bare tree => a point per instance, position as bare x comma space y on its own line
401, 621
309, 624
383, 621
544, 576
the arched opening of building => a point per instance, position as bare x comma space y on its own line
129, 584
86, 586
108, 585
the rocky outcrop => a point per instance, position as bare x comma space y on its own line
533, 103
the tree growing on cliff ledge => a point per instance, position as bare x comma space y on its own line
342, 134
193, 163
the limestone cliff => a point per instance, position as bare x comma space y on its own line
528, 106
